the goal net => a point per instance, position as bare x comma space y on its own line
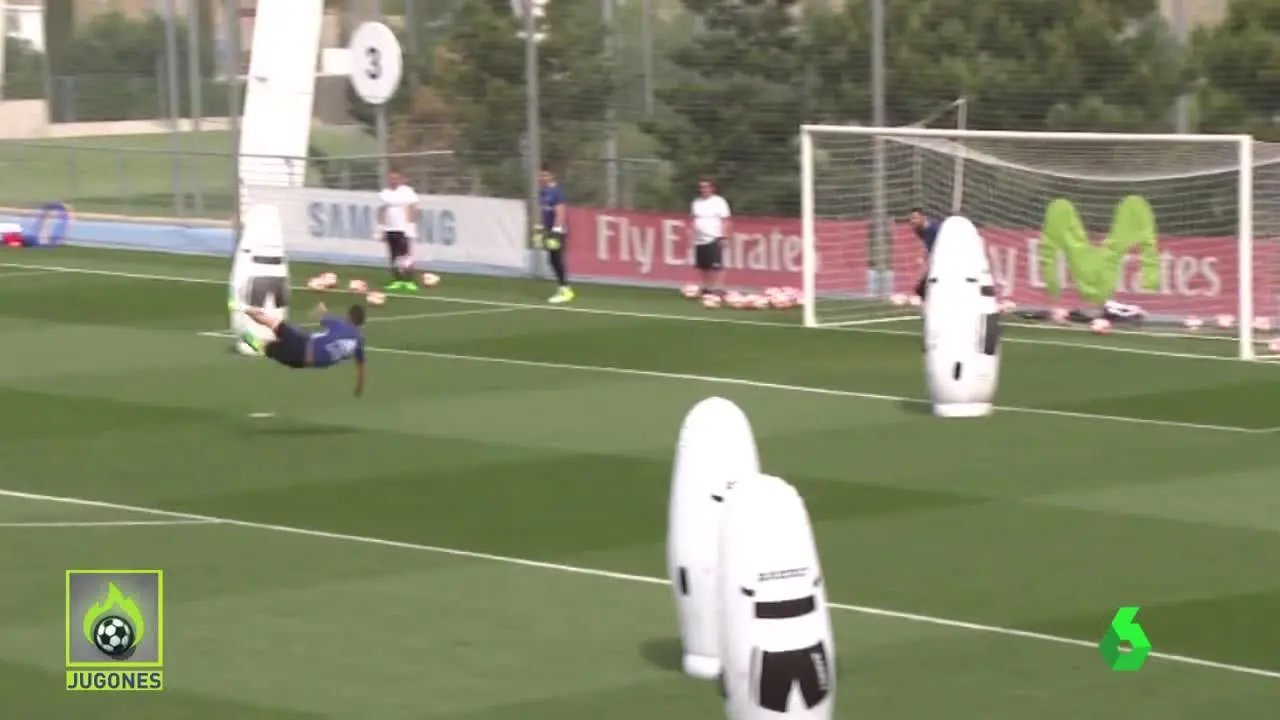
1158, 233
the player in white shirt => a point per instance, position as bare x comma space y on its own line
710, 227
397, 216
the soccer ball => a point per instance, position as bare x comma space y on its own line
113, 636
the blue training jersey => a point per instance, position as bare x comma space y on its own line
548, 198
929, 233
338, 341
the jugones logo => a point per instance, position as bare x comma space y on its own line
115, 630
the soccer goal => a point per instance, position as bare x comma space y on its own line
1158, 233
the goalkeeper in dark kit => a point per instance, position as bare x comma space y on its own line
926, 228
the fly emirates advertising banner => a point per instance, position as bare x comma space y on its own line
1193, 274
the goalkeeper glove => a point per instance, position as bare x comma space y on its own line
555, 240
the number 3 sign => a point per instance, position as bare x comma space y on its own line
376, 62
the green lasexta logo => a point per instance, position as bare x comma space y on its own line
115, 601
1124, 630
1096, 268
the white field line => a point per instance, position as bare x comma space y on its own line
641, 315
593, 572
427, 316
107, 523
743, 382
447, 314
26, 273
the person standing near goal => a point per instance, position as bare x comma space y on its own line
926, 228
711, 221
553, 233
397, 214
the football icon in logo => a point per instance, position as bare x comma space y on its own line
114, 636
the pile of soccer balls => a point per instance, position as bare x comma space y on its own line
329, 281
773, 298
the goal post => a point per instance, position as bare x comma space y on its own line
1160, 225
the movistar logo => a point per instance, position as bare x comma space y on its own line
1096, 269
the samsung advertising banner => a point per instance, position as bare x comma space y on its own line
453, 233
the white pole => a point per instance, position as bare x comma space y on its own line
4, 38
880, 261
1245, 211
957, 190
171, 77
809, 244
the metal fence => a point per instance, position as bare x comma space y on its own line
632, 115
166, 176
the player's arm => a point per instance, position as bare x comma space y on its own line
319, 311
413, 210
562, 211
259, 316
726, 219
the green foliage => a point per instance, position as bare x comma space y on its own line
736, 112
480, 73
1239, 65
734, 79
23, 70
115, 70
759, 69
1025, 64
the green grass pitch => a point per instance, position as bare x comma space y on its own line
481, 536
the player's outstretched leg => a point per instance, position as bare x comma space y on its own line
289, 348
555, 256
254, 342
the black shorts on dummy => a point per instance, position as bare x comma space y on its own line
289, 347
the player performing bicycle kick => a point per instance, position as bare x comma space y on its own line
340, 339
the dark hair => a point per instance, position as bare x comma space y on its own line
547, 169
355, 313
917, 209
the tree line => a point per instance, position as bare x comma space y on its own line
110, 67
719, 87
736, 78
